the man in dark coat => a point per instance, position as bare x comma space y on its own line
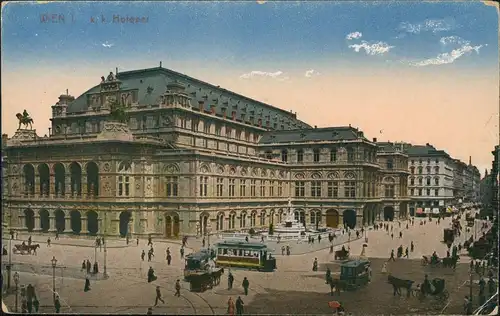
178, 288
239, 306
230, 280
169, 259
87, 284
245, 285
151, 275
57, 304
158, 296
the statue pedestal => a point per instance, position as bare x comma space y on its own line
115, 131
24, 135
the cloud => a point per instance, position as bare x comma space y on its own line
430, 25
311, 72
107, 45
375, 48
353, 35
278, 75
448, 58
447, 40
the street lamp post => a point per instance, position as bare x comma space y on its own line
54, 263
105, 274
209, 231
9, 266
16, 281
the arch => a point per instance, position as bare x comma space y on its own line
243, 171
349, 175
204, 168
125, 166
300, 216
315, 216
332, 218
333, 175
220, 221
299, 176
76, 221
232, 170
92, 223
349, 218
29, 178
60, 221
204, 220
125, 218
253, 219
44, 175
232, 220
243, 219
271, 217
220, 169
388, 213
263, 218
168, 226
59, 179
171, 168
29, 219
92, 179
263, 173
389, 180
75, 171
280, 216
44, 220
177, 225
316, 175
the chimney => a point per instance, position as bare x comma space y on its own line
315, 126
427, 144
349, 125
470, 160
374, 139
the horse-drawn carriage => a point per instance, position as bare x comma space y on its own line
341, 254
447, 262
204, 279
355, 273
24, 249
436, 288
449, 235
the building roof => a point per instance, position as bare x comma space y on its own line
152, 83
312, 134
426, 150
388, 147
240, 244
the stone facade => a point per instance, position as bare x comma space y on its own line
192, 159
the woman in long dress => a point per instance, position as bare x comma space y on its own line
384, 268
230, 307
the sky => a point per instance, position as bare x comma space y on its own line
400, 71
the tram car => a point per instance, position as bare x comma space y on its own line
196, 263
241, 254
449, 235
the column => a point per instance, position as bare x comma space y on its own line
37, 184
52, 185
52, 226
67, 187
84, 230
37, 223
84, 186
22, 222
67, 225
359, 219
99, 222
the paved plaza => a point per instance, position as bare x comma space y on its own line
292, 288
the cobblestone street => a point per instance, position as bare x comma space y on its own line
293, 288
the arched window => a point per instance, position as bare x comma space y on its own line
412, 181
220, 221
436, 170
232, 220
243, 219
350, 154
428, 181
420, 181
412, 170
253, 218
125, 179
436, 181
390, 164
428, 168
420, 169
262, 218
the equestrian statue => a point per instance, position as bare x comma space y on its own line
25, 119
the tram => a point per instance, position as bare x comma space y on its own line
243, 254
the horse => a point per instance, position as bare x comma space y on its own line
24, 120
33, 248
397, 284
341, 254
216, 276
450, 262
339, 285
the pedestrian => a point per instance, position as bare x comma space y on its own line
57, 304
230, 280
36, 304
150, 241
158, 296
151, 275
127, 238
143, 254
467, 306
230, 307
57, 235
48, 242
203, 242
239, 306
96, 268
287, 250
87, 284
282, 250
319, 239
400, 234
245, 285
84, 265
482, 285
407, 253
150, 255
177, 288
29, 305
392, 256
137, 242
491, 286
392, 236
411, 246
169, 259
88, 266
